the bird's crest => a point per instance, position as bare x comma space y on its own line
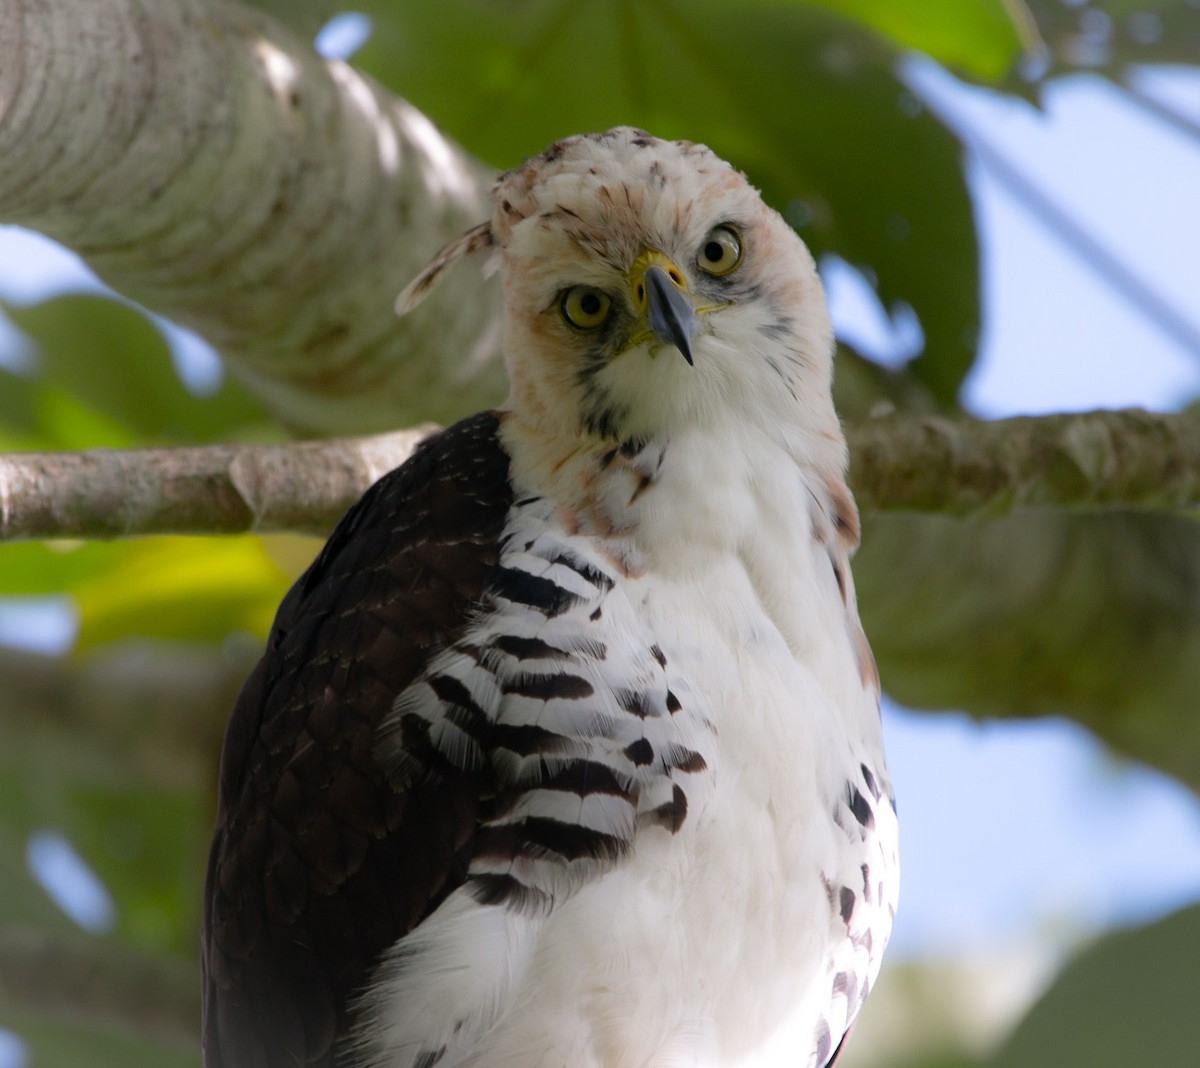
514, 196
474, 240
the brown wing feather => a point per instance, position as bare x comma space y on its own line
318, 863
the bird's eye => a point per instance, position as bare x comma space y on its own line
585, 307
721, 251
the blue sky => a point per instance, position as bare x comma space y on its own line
1058, 837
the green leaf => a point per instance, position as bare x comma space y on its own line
807, 104
976, 37
99, 355
18, 407
1129, 999
192, 589
30, 568
40, 415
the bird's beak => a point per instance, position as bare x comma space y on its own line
659, 294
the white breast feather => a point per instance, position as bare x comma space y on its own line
697, 945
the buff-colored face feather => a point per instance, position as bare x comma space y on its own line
589, 232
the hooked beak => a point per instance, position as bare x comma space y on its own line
669, 313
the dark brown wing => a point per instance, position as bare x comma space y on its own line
318, 863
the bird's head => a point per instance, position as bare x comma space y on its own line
648, 290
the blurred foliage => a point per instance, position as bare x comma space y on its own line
1093, 615
1112, 36
84, 1045
1128, 999
146, 845
103, 376
868, 174
976, 39
222, 585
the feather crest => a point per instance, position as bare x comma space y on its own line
474, 240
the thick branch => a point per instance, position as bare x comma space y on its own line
1133, 459
210, 165
220, 489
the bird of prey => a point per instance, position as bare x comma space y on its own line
565, 752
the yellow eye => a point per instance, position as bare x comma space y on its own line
585, 307
721, 251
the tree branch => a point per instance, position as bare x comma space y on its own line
207, 163
1132, 459
220, 489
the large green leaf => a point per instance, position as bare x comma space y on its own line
806, 103
32, 568
194, 589
191, 589
1130, 999
36, 414
976, 37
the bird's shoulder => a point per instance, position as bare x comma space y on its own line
319, 860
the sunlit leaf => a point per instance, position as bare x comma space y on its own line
32, 568
977, 38
196, 589
808, 104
